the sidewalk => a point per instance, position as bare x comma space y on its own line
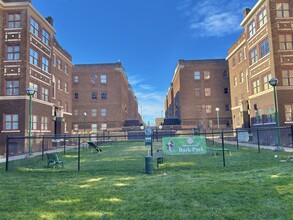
22, 156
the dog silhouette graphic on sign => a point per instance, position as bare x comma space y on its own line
170, 146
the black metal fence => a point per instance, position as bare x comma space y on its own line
259, 138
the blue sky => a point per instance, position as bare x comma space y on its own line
147, 36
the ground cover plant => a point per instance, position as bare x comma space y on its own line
113, 185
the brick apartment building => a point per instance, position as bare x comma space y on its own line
199, 87
32, 57
102, 92
263, 51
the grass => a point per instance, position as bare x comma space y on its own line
113, 185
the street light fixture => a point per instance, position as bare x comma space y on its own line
218, 118
274, 82
30, 92
84, 121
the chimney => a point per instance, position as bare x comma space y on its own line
50, 20
246, 11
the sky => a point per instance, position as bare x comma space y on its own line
147, 36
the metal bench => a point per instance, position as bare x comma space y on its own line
158, 155
53, 160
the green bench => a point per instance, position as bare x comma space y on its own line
215, 151
158, 155
53, 160
94, 145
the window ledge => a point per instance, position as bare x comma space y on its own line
10, 131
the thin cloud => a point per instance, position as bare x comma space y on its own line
151, 104
214, 18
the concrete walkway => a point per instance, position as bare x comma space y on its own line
22, 156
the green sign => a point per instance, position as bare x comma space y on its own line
184, 145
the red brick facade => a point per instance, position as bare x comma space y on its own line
27, 47
102, 92
197, 89
266, 48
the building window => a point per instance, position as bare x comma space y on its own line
44, 123
103, 112
65, 69
208, 108
14, 21
227, 107
197, 91
103, 78
240, 56
282, 10
75, 112
197, 75
94, 95
94, 112
45, 64
94, 127
288, 112
35, 87
59, 84
75, 79
266, 79
233, 62
54, 59
207, 91
207, 74
59, 63
45, 36
34, 122
53, 87
285, 42
75, 127
104, 95
12, 87
13, 52
241, 77
236, 101
226, 91
253, 56
225, 74
11, 122
76, 95
65, 107
264, 48
198, 108
251, 29
34, 27
45, 94
235, 81
65, 87
103, 127
34, 57
256, 86
262, 17
287, 77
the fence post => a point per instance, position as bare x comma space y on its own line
213, 137
7, 152
64, 143
292, 134
78, 160
223, 149
258, 145
43, 146
237, 139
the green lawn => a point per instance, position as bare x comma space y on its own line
113, 185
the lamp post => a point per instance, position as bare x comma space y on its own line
218, 118
84, 121
30, 92
274, 82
